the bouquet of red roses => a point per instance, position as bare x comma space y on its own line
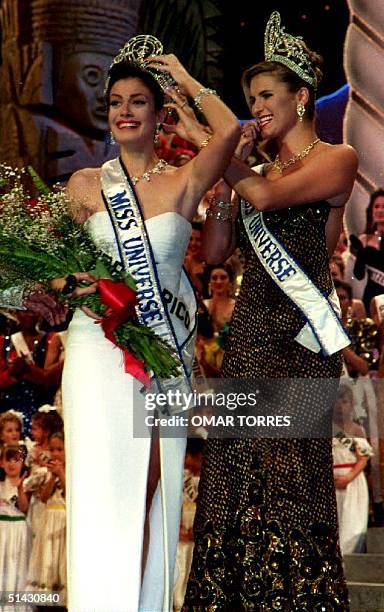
40, 241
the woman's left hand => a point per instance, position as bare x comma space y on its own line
169, 63
59, 284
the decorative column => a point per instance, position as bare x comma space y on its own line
364, 129
364, 119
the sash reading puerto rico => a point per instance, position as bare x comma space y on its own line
137, 258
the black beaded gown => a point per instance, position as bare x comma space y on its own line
266, 535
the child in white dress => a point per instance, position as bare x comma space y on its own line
351, 452
45, 422
47, 568
14, 531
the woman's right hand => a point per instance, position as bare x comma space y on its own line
249, 135
171, 64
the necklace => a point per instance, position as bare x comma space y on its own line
157, 169
279, 165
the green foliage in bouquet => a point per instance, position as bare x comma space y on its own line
40, 241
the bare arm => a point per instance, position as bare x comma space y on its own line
328, 175
47, 489
354, 362
333, 228
219, 237
22, 497
54, 351
209, 165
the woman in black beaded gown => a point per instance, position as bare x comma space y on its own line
266, 524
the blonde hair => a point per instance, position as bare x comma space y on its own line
345, 390
8, 417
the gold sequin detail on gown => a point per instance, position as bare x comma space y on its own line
266, 525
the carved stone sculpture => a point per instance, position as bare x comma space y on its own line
55, 56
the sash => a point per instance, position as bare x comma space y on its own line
377, 276
323, 330
157, 307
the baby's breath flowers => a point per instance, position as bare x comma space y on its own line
40, 241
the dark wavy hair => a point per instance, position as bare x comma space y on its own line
49, 421
370, 226
127, 70
13, 451
226, 267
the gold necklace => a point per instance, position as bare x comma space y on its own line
279, 165
157, 169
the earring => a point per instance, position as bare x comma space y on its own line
300, 109
112, 141
156, 135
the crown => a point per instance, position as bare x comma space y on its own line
136, 50
281, 47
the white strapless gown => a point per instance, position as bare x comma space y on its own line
107, 467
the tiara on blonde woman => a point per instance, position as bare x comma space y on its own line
281, 47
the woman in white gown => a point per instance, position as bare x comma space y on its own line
124, 492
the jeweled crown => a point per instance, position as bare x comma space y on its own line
136, 50
281, 47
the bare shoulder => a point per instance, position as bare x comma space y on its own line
83, 189
86, 178
341, 154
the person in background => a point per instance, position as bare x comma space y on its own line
45, 422
365, 352
220, 304
193, 263
337, 268
351, 452
369, 249
47, 570
15, 538
24, 382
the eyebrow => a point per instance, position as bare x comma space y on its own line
134, 95
261, 93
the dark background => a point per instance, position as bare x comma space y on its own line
322, 24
